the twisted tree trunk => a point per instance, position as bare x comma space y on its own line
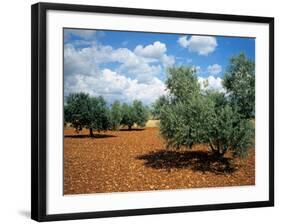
217, 150
91, 132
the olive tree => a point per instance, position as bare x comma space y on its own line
157, 105
239, 81
116, 115
141, 113
228, 130
85, 111
128, 116
136, 113
190, 116
178, 113
100, 115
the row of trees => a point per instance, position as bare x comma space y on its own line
93, 113
224, 121
188, 115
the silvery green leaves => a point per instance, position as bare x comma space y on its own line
85, 111
189, 116
239, 82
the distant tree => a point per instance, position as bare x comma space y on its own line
116, 115
100, 115
141, 113
239, 81
191, 116
84, 111
128, 117
136, 113
77, 110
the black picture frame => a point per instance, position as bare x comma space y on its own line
38, 109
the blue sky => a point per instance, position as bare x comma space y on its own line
125, 66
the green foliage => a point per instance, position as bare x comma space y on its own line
77, 110
100, 114
182, 83
184, 123
157, 105
219, 99
141, 113
184, 110
239, 81
128, 118
134, 114
116, 115
228, 130
188, 116
84, 111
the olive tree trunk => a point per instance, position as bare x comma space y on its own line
91, 132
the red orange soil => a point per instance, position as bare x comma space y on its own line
122, 161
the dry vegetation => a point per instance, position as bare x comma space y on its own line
152, 123
122, 161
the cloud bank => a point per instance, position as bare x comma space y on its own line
120, 73
135, 75
202, 45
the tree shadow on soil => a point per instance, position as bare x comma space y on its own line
196, 160
88, 136
132, 129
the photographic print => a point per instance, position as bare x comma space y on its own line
148, 111
145, 111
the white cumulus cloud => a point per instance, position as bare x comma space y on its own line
157, 51
182, 41
203, 45
211, 83
133, 75
214, 69
88, 61
113, 86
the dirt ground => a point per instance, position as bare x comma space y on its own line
122, 161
